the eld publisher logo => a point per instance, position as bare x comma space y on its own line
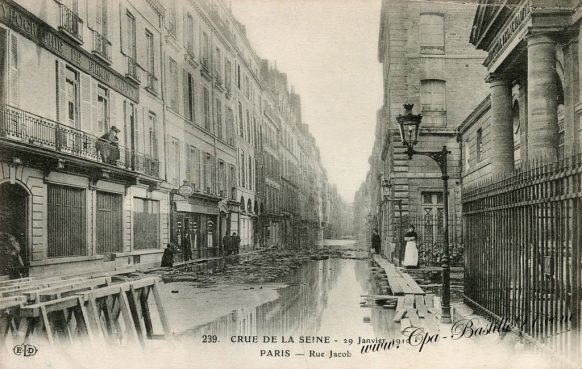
25, 350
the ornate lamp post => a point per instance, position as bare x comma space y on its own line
409, 125
386, 186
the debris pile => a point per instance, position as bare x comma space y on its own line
263, 267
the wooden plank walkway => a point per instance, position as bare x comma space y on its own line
414, 308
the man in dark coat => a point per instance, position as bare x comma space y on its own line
376, 242
168, 257
108, 146
226, 245
186, 249
235, 243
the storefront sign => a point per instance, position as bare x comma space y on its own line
186, 190
36, 30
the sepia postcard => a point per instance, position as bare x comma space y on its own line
241, 184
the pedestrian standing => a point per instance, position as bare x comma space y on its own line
235, 242
376, 242
226, 244
410, 252
10, 260
108, 146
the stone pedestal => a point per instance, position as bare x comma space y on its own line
542, 98
501, 134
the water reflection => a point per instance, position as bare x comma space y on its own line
323, 298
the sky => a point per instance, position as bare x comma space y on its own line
328, 48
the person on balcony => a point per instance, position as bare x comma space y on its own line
410, 252
108, 146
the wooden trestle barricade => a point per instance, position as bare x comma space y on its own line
94, 308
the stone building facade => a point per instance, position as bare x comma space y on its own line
534, 78
427, 61
183, 88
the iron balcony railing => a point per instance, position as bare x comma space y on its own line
71, 23
101, 46
132, 69
19, 125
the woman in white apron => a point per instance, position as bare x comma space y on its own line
410, 252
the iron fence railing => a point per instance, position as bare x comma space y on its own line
19, 125
132, 69
430, 237
101, 46
71, 22
523, 235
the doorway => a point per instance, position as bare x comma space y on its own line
14, 217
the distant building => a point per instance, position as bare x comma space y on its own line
429, 62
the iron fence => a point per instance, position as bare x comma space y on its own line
522, 259
430, 231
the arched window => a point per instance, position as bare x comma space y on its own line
561, 116
242, 203
249, 206
516, 136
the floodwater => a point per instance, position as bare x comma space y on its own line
322, 298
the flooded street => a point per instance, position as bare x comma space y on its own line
316, 300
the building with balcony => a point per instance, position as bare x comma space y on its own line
427, 61
76, 198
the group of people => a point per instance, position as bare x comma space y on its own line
410, 250
230, 244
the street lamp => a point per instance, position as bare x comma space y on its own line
409, 125
386, 187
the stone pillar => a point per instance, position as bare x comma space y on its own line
501, 131
542, 98
571, 95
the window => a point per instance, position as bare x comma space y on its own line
189, 34
243, 170
467, 155
193, 166
222, 178
250, 173
229, 126
479, 145
218, 65
172, 18
227, 71
206, 109
150, 53
561, 132
248, 127
101, 17
102, 110
175, 155
72, 97
432, 34
517, 136
432, 100
151, 136
240, 120
205, 50
189, 96
131, 43
109, 223
219, 118
231, 180
238, 76
146, 224
210, 186
173, 85
433, 213
66, 221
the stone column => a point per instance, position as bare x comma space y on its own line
501, 131
542, 98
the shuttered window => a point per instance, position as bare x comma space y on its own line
146, 224
193, 166
432, 100
432, 34
66, 222
109, 223
206, 109
173, 85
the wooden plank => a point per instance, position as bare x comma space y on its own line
420, 306
413, 316
435, 312
437, 304
13, 301
126, 315
412, 284
408, 301
161, 312
47, 324
431, 323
